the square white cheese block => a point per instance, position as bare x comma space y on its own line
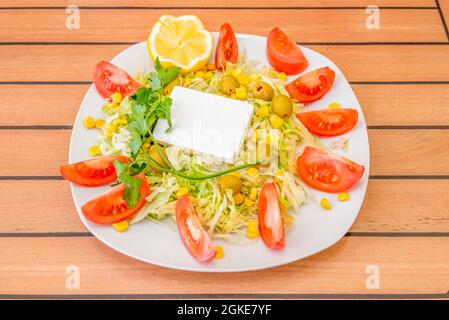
206, 123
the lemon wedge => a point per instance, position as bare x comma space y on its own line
180, 41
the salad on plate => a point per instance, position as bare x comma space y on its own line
280, 160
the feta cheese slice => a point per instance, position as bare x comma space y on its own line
205, 123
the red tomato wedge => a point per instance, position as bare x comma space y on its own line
328, 172
329, 122
94, 172
195, 239
110, 207
312, 85
284, 54
227, 47
109, 79
271, 223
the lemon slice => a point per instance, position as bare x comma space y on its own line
180, 41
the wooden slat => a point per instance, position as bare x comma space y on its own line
407, 265
393, 152
382, 104
404, 104
47, 206
316, 25
220, 3
444, 6
358, 62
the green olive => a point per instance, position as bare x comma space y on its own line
232, 182
228, 84
154, 154
169, 87
282, 106
264, 91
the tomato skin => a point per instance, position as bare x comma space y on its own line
284, 54
329, 122
110, 207
328, 172
94, 172
227, 47
271, 223
109, 79
312, 85
190, 226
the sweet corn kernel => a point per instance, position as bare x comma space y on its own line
112, 127
120, 121
204, 68
182, 191
219, 252
236, 173
94, 151
325, 204
121, 226
243, 79
253, 194
238, 198
343, 196
116, 98
253, 172
252, 235
248, 202
186, 82
108, 133
334, 105
199, 74
210, 66
253, 226
146, 146
99, 123
89, 122
232, 96
254, 77
276, 122
282, 76
208, 75
240, 93
263, 111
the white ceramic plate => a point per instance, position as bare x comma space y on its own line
314, 229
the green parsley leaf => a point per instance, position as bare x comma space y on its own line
131, 193
166, 75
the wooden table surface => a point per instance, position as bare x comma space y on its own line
400, 74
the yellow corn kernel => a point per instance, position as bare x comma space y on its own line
253, 226
334, 105
116, 98
182, 191
219, 252
325, 204
113, 127
99, 123
240, 93
263, 111
252, 235
204, 68
232, 96
210, 66
254, 77
121, 226
108, 133
186, 82
208, 75
120, 121
238, 199
276, 122
236, 173
282, 76
253, 194
248, 202
94, 151
146, 146
243, 79
89, 122
253, 172
236, 72
343, 196
199, 74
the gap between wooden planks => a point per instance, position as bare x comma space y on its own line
399, 105
393, 152
220, 3
418, 265
407, 25
390, 206
358, 62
